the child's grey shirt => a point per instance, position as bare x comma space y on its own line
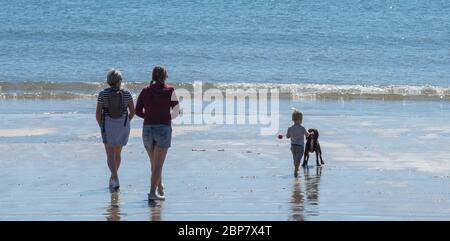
297, 133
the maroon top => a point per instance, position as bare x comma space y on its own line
154, 103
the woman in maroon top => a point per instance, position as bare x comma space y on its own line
158, 105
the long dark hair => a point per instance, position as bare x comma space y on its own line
159, 75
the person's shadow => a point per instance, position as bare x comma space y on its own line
113, 210
298, 204
155, 210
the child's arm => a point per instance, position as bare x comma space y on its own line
288, 133
306, 133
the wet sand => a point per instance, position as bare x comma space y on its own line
229, 172
23, 132
234, 184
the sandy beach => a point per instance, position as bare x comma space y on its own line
382, 163
372, 76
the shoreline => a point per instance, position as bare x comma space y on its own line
42, 90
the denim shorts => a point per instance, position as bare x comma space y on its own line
157, 136
297, 152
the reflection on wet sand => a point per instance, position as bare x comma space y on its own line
312, 186
155, 210
113, 210
297, 202
312, 195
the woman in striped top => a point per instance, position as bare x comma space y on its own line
114, 119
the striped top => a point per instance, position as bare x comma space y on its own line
103, 98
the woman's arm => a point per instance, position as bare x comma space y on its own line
175, 106
99, 113
175, 111
140, 106
131, 108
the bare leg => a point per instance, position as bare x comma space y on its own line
110, 157
160, 156
160, 183
305, 159
296, 165
320, 153
295, 154
317, 158
151, 154
118, 156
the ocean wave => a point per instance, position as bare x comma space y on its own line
333, 91
88, 90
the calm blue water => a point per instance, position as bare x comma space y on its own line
333, 42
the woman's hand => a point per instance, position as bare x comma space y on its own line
132, 110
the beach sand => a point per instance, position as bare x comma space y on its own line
380, 165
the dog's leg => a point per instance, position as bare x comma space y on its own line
320, 153
305, 159
317, 158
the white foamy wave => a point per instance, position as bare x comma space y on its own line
332, 91
83, 90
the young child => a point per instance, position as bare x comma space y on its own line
297, 134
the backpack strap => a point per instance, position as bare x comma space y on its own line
124, 107
111, 89
104, 113
107, 90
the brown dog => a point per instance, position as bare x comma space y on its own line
312, 145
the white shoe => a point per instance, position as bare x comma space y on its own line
114, 183
161, 190
153, 197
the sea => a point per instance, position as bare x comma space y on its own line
389, 49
